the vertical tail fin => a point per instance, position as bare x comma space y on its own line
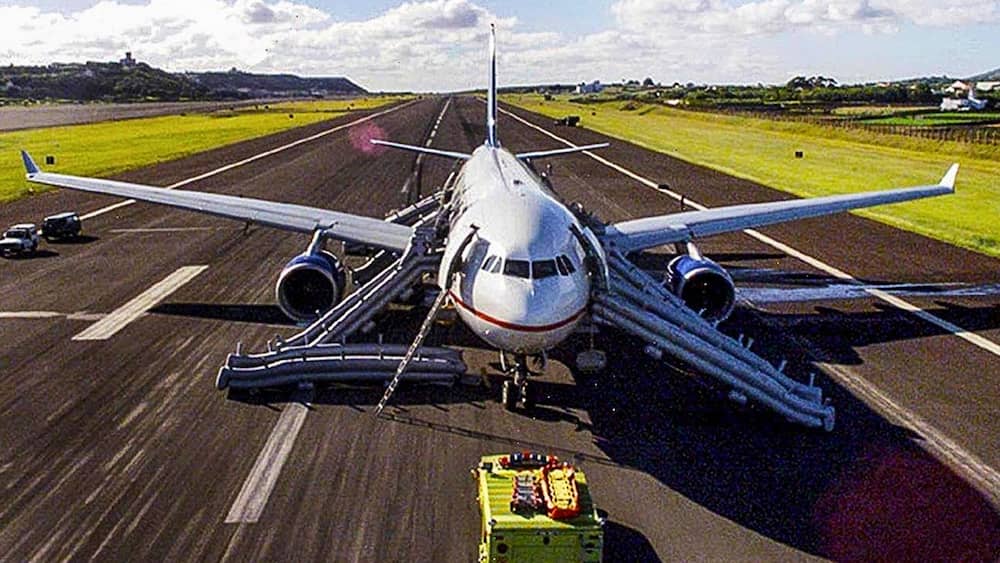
491, 93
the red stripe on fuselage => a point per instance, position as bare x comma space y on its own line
513, 326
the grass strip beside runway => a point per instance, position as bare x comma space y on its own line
834, 161
107, 148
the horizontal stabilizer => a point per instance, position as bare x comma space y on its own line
29, 163
425, 150
559, 152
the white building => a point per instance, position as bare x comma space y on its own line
958, 87
987, 86
592, 88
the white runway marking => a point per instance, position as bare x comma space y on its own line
80, 316
427, 143
847, 291
122, 316
984, 477
972, 338
249, 504
253, 158
980, 474
29, 315
437, 123
252, 498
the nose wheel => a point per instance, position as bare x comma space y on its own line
516, 390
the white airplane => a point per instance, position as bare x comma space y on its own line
521, 267
968, 103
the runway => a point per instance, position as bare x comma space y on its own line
13, 118
122, 448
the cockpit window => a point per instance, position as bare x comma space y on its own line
543, 269
492, 264
565, 265
516, 268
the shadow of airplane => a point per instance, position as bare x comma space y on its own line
865, 491
244, 313
622, 543
838, 334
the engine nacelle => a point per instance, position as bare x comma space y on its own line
702, 285
310, 283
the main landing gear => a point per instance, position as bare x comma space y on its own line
516, 390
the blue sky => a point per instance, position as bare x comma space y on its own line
439, 44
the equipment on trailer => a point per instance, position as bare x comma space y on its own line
562, 496
535, 507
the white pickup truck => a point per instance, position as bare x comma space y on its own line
19, 240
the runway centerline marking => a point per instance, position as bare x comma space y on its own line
237, 164
31, 315
257, 487
968, 336
122, 316
981, 474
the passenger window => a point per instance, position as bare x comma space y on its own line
488, 264
516, 268
543, 269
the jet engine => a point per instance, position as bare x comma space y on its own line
310, 284
702, 285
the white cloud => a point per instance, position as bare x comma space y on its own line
440, 44
758, 17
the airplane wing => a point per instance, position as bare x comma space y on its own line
290, 217
637, 234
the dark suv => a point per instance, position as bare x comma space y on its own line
61, 226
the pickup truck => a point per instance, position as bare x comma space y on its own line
19, 239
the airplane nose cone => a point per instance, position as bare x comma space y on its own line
546, 305
525, 315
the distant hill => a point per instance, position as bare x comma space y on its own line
260, 85
943, 79
96, 81
130, 81
987, 76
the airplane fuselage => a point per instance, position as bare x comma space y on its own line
521, 284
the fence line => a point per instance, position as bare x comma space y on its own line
962, 134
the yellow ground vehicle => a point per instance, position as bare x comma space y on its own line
516, 527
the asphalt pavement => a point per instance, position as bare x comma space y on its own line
122, 448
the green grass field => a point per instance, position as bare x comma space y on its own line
836, 161
937, 119
103, 149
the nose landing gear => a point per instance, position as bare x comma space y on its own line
516, 390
